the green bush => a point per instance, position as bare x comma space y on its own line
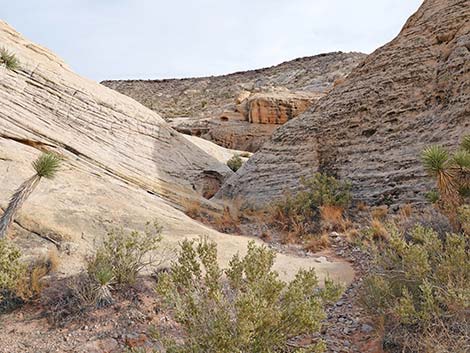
235, 162
9, 59
302, 211
12, 270
122, 255
245, 308
419, 287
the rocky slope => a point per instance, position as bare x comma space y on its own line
122, 164
410, 93
206, 96
207, 106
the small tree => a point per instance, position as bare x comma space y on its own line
245, 308
46, 166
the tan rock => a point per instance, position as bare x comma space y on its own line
242, 96
371, 129
278, 108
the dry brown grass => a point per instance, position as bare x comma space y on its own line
332, 219
192, 208
362, 206
406, 211
230, 219
33, 283
317, 243
379, 213
297, 232
378, 230
353, 235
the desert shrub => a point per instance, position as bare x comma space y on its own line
70, 299
244, 308
235, 162
122, 255
12, 269
301, 213
9, 59
419, 287
20, 281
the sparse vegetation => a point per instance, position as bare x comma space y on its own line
419, 288
122, 255
245, 308
301, 214
235, 162
20, 281
46, 166
9, 59
116, 265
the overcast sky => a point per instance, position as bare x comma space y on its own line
119, 39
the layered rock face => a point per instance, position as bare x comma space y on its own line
371, 128
198, 106
277, 107
122, 164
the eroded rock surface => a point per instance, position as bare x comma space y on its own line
277, 107
410, 93
207, 106
122, 164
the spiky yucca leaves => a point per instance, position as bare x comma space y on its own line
436, 162
465, 144
9, 59
104, 277
46, 166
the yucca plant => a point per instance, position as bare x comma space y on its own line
465, 144
9, 59
46, 166
104, 277
436, 162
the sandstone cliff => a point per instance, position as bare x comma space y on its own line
122, 164
370, 129
207, 106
